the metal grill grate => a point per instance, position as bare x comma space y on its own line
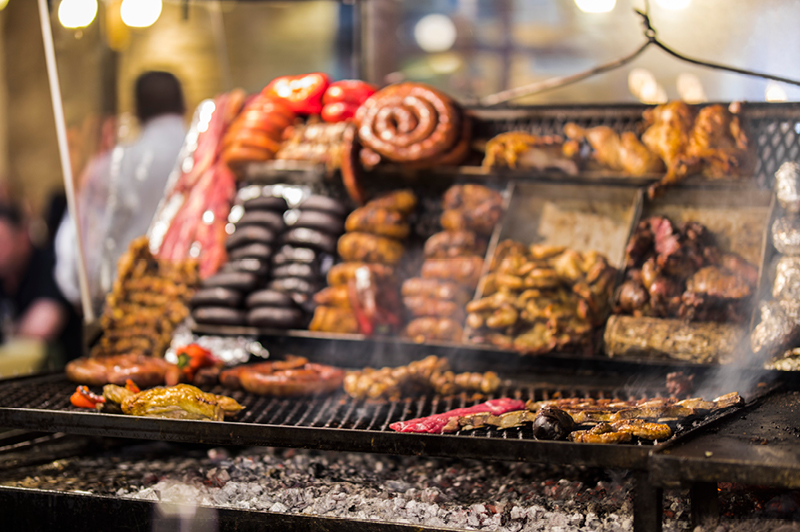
336, 411
334, 422
774, 128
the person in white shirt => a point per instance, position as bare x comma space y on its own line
121, 189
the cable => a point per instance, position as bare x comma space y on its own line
557, 83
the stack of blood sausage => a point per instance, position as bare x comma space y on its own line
453, 263
308, 248
373, 243
277, 258
235, 295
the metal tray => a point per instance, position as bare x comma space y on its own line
337, 422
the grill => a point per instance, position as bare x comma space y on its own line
333, 422
336, 422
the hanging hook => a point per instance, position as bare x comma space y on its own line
649, 30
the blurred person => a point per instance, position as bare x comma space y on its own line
120, 189
31, 305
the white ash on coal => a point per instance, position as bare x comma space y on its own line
467, 495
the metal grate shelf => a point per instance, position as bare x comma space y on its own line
332, 422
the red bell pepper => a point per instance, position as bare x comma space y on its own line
193, 357
131, 386
352, 91
83, 398
302, 94
339, 111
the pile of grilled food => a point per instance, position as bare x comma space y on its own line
579, 419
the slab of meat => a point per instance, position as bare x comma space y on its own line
448, 421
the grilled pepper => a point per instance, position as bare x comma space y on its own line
83, 398
302, 94
339, 111
343, 98
353, 91
193, 357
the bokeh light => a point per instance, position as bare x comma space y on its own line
595, 6
435, 33
774, 92
140, 13
74, 14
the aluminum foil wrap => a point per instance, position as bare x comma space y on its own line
786, 235
789, 361
787, 279
787, 186
231, 350
775, 331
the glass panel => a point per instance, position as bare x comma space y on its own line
535, 40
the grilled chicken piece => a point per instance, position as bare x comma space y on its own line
181, 401
712, 141
719, 142
448, 244
669, 129
531, 151
624, 153
378, 220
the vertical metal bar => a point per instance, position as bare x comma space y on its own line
647, 504
704, 504
63, 151
357, 60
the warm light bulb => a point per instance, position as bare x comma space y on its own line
140, 13
673, 5
77, 13
435, 33
774, 92
595, 6
3, 4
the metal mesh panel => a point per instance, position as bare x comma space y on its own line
773, 128
335, 411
